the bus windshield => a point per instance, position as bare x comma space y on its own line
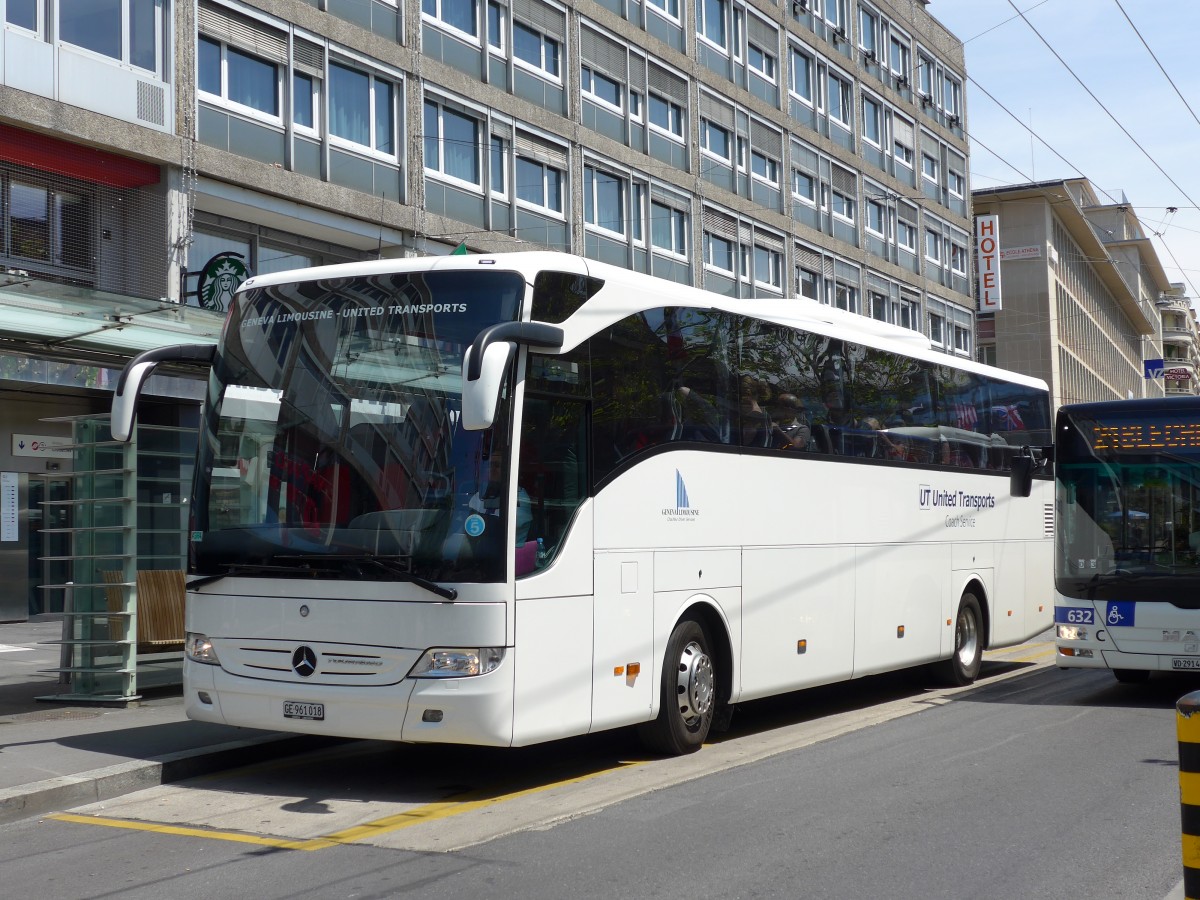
1128, 478
332, 443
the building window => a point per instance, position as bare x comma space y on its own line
306, 101
540, 185
929, 168
906, 235
666, 115
46, 227
604, 200
461, 15
958, 258
711, 18
933, 246
768, 267
900, 57
868, 28
452, 144
236, 77
871, 121
763, 168
801, 83
497, 15
597, 86
24, 14
668, 229
128, 31
876, 218
716, 140
538, 51
362, 109
842, 205
761, 62
956, 183
804, 187
808, 283
937, 329
669, 8
718, 253
845, 296
840, 97
962, 340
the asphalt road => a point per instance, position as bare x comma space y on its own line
1033, 783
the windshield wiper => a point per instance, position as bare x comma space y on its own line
254, 569
392, 565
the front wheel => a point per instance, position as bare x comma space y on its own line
962, 667
688, 694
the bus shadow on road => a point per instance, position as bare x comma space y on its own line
1050, 686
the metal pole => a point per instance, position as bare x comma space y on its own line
1187, 722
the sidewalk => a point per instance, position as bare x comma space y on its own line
54, 756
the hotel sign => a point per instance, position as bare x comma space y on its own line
987, 251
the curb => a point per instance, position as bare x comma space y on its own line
68, 791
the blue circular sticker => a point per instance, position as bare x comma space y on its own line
474, 525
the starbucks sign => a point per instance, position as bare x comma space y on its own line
220, 277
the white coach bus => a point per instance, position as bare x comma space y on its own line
1128, 561
505, 499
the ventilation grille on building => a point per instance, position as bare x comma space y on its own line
151, 103
1048, 519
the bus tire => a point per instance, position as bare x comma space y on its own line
962, 668
688, 694
1130, 676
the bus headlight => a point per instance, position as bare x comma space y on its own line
457, 662
1072, 633
200, 649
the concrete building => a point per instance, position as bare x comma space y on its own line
1080, 283
154, 151
1181, 342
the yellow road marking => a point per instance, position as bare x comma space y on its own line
430, 812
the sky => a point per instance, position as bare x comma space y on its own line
1125, 128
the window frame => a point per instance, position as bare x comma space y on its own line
160, 41
439, 172
542, 208
591, 195
810, 71
222, 99
543, 38
438, 19
373, 79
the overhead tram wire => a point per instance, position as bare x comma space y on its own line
1178, 93
1107, 112
1158, 234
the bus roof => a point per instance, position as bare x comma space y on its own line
638, 291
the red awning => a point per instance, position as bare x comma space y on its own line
74, 160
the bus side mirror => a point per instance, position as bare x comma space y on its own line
481, 397
1028, 462
486, 361
1020, 480
135, 373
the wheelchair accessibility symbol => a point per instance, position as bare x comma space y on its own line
1120, 614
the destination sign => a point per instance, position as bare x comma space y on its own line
1142, 436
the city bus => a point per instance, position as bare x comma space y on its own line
503, 499
1127, 566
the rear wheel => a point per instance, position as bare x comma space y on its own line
963, 666
688, 693
1131, 676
